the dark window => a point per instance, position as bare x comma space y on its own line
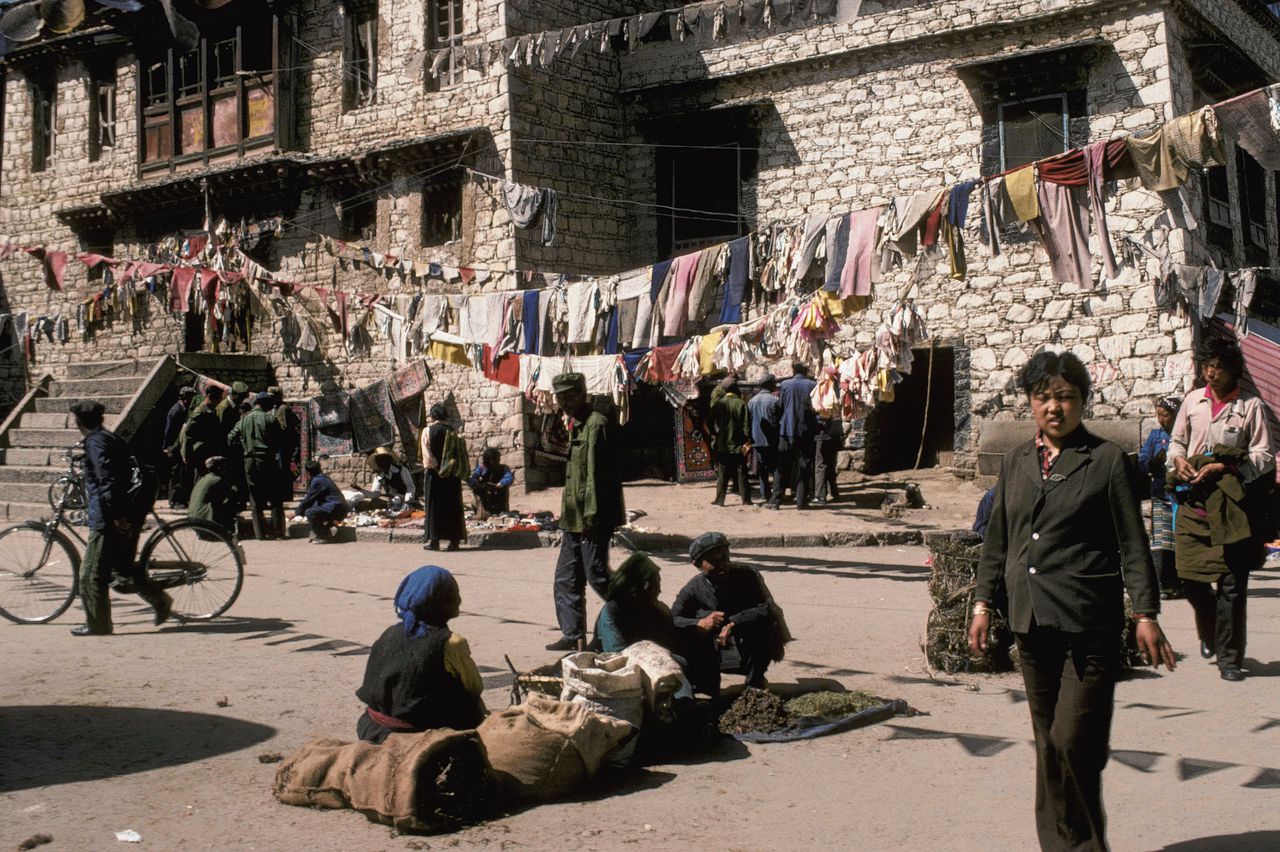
359, 216
215, 101
1218, 209
441, 213
1253, 206
700, 196
102, 110
1033, 129
97, 242
446, 31
359, 22
44, 117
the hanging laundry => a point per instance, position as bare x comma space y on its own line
529, 319
815, 226
1063, 229
1245, 283
736, 281
1165, 158
503, 369
1253, 122
701, 293
524, 203
1072, 169
707, 344
677, 306
901, 240
859, 270
180, 289
837, 251
1210, 292
582, 301
54, 264
1021, 186
449, 349
997, 213
1095, 156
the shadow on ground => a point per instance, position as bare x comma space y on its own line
46, 745
1250, 840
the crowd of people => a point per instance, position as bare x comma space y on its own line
1064, 543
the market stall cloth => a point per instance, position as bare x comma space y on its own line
410, 381
331, 425
372, 417
694, 460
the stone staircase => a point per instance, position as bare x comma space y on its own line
37, 444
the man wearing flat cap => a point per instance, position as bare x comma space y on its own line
175, 419
725, 606
590, 509
113, 523
205, 434
259, 437
289, 456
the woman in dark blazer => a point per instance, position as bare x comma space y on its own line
1065, 541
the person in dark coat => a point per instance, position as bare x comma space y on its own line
732, 439
444, 493
726, 605
796, 433
632, 612
179, 488
114, 523
420, 675
491, 483
1064, 543
591, 508
205, 435
214, 498
323, 506
259, 437
289, 456
765, 410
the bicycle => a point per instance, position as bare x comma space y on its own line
196, 561
68, 489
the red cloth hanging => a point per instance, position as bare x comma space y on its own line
180, 289
1069, 169
91, 260
54, 264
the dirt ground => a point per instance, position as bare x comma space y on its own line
160, 730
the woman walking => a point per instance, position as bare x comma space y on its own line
1065, 541
444, 482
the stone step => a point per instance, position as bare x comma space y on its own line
49, 438
24, 492
103, 369
58, 420
96, 388
60, 404
33, 456
12, 512
30, 473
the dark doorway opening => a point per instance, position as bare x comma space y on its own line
921, 419
647, 448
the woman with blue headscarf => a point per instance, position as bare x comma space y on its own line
420, 674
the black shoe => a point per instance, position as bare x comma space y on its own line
1205, 651
717, 502
819, 501
564, 644
85, 630
771, 506
1232, 673
431, 545
453, 545
163, 611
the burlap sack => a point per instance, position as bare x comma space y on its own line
544, 748
609, 684
431, 781
663, 679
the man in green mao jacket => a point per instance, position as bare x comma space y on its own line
591, 508
732, 441
260, 437
205, 434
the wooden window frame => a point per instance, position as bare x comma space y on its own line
442, 34
359, 24
44, 122
1062, 97
102, 109
437, 195
162, 111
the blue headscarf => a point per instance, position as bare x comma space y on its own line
424, 600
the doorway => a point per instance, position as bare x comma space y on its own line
920, 422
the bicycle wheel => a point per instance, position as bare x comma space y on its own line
198, 564
39, 573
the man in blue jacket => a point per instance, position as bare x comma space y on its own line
324, 507
765, 410
796, 436
113, 526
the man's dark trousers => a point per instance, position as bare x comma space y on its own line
732, 465
584, 557
110, 552
1070, 680
795, 469
1221, 614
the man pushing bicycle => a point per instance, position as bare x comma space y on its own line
113, 523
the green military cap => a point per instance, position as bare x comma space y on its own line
239, 387
569, 381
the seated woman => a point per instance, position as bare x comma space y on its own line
420, 675
632, 612
214, 497
491, 484
324, 507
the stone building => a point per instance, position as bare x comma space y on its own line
343, 119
